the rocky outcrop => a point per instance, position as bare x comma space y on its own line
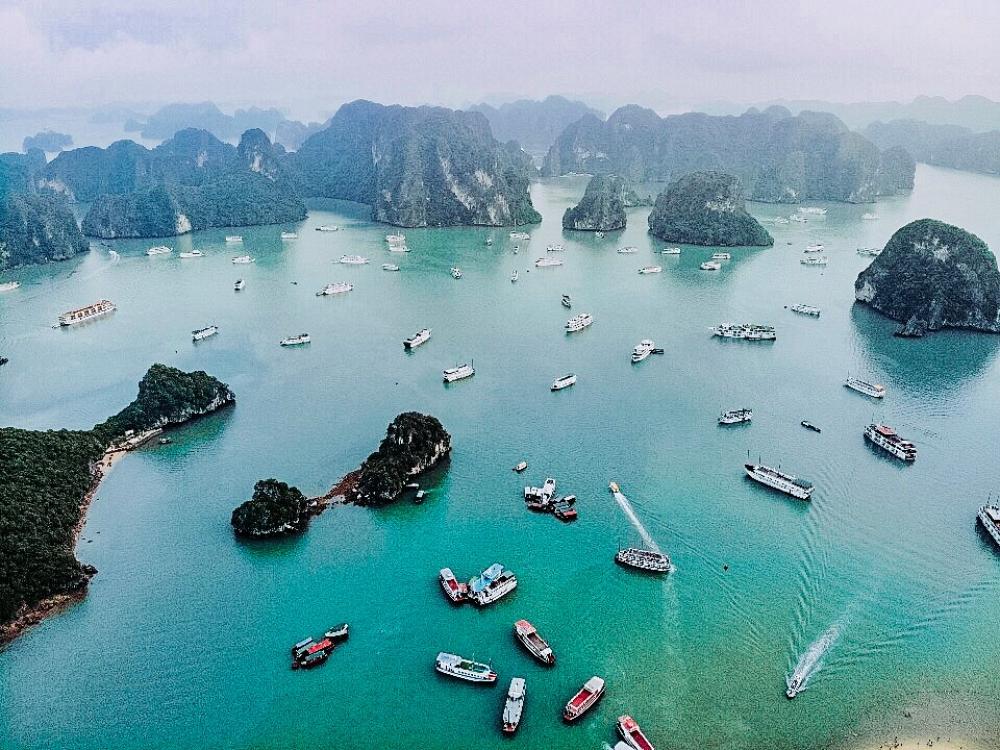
896, 171
706, 208
413, 444
37, 229
275, 509
778, 157
603, 205
417, 167
535, 124
933, 275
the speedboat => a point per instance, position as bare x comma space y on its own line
338, 632
239, 285
794, 686
513, 276
810, 426
642, 350
521, 466
566, 301
564, 382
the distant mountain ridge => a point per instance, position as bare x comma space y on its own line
941, 145
532, 123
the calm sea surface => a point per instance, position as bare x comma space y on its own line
883, 583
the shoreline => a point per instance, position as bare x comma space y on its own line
937, 742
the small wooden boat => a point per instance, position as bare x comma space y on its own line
457, 592
566, 301
585, 699
810, 426
629, 730
537, 646
521, 467
312, 655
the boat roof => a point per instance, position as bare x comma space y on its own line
885, 429
516, 689
594, 684
993, 513
485, 578
524, 625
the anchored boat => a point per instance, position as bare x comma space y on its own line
457, 592
491, 585
744, 331
459, 373
340, 287
521, 466
650, 269
885, 437
779, 480
584, 699
528, 636
805, 310
629, 730
302, 338
989, 517
874, 390
564, 382
549, 262
199, 334
353, 260
710, 265
464, 669
514, 706
736, 416
579, 322
417, 339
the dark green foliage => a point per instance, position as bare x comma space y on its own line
602, 207
933, 275
275, 508
706, 208
44, 477
413, 444
37, 229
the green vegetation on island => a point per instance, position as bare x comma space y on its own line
274, 509
47, 479
706, 208
603, 205
949, 146
933, 275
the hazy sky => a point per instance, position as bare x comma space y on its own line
309, 56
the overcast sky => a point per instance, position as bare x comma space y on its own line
308, 56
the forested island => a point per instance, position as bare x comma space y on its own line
47, 479
603, 205
706, 208
949, 146
931, 276
275, 509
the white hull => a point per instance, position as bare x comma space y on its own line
872, 390
458, 373
989, 517
885, 438
779, 481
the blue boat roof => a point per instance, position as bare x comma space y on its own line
485, 578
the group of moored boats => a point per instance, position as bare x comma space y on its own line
488, 587
545, 500
309, 653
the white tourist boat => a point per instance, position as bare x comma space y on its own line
870, 252
629, 250
779, 480
327, 228
289, 236
420, 337
234, 238
874, 390
884, 437
722, 256
239, 285
579, 322
642, 350
456, 272
805, 310
339, 287
398, 249
989, 517
816, 247
9, 286
491, 585
88, 312
302, 338
798, 219
736, 416
192, 254
548, 262
710, 265
647, 560
670, 251
464, 669
243, 260
396, 239
563, 382
353, 260
650, 269
159, 250
200, 334
745, 331
390, 267
520, 236
513, 707
815, 260
814, 210
460, 372
554, 248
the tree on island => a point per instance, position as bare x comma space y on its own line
274, 509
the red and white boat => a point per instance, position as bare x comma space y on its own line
526, 633
585, 699
457, 592
633, 736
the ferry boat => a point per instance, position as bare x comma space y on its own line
805, 310
242, 260
710, 265
736, 416
585, 699
722, 256
870, 252
514, 706
554, 248
886, 438
810, 426
340, 287
89, 312
390, 267
338, 632
200, 334
458, 373
670, 251
456, 273
579, 322
870, 217
491, 585
513, 276
234, 238
9, 286
453, 589
302, 338
989, 517
812, 210
651, 269
464, 669
289, 235
420, 337
548, 262
192, 254
526, 633
353, 260
159, 250
779, 480
239, 285
327, 228
520, 236
642, 350
874, 390
745, 331
816, 247
627, 250
815, 260
564, 382
647, 560
629, 730
521, 466
566, 301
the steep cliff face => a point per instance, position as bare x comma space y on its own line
706, 208
602, 207
949, 146
778, 158
417, 166
933, 275
897, 169
37, 229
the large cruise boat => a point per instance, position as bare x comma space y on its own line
989, 517
514, 706
420, 337
459, 373
629, 730
491, 585
200, 334
584, 699
642, 350
549, 262
563, 382
736, 416
647, 560
89, 312
302, 338
353, 260
805, 310
863, 386
814, 248
779, 480
159, 250
537, 646
579, 322
886, 438
338, 288
464, 669
746, 331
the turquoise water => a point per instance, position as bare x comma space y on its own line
182, 641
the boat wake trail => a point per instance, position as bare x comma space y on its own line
626, 506
812, 660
